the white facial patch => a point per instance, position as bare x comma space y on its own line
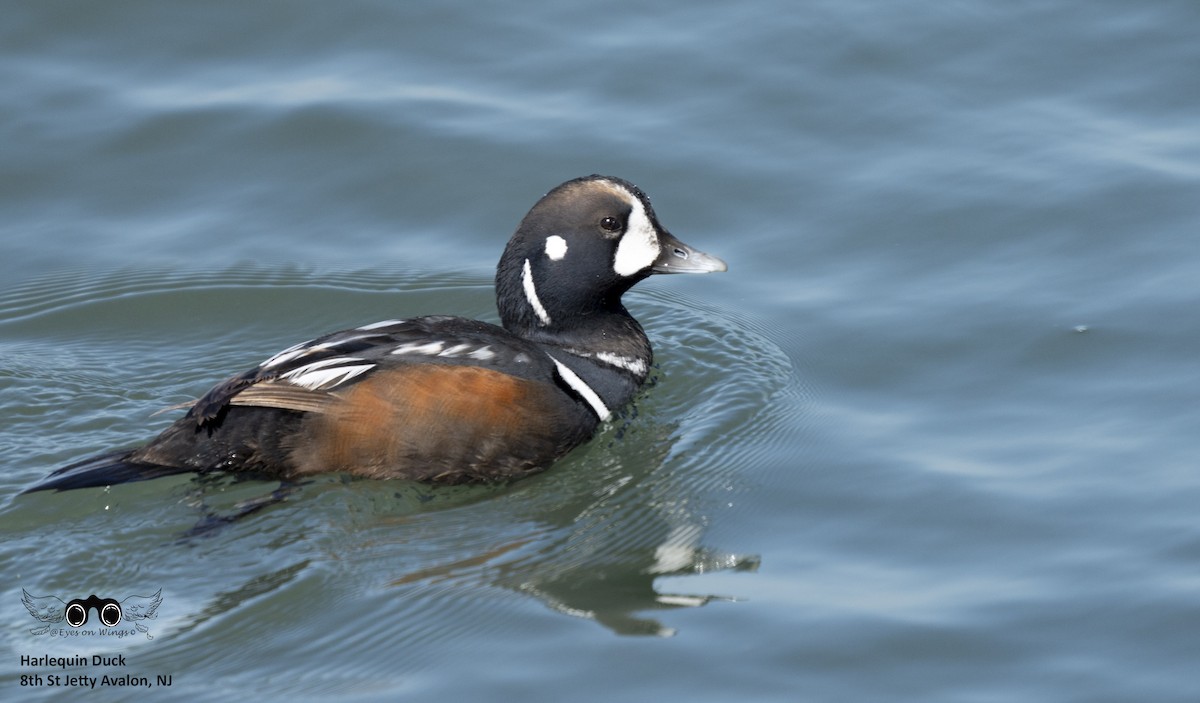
638, 247
556, 247
532, 296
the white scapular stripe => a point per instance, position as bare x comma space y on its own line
286, 355
583, 389
454, 350
532, 296
429, 348
381, 323
327, 373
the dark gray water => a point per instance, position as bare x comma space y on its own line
933, 436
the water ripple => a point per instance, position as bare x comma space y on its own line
629, 508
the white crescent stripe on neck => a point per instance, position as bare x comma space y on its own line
532, 296
583, 389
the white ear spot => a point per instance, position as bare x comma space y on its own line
639, 246
556, 247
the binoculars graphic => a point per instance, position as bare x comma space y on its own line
108, 608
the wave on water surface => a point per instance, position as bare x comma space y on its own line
628, 508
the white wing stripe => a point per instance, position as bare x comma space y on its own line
286, 355
327, 373
377, 325
429, 348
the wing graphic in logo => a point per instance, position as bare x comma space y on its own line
48, 609
137, 608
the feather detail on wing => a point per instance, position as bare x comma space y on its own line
309, 376
284, 396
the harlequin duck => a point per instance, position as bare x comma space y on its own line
445, 399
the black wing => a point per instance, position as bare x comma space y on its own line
305, 376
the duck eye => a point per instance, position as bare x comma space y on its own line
610, 224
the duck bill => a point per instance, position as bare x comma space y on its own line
677, 257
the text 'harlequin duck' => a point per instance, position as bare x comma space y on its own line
445, 399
